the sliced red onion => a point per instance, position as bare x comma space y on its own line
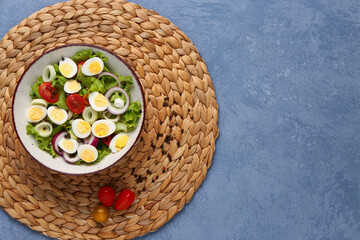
113, 110
111, 75
92, 140
55, 142
70, 159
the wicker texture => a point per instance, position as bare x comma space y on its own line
176, 147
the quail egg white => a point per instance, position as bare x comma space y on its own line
118, 142
67, 67
69, 145
35, 113
87, 153
92, 66
72, 86
103, 128
98, 101
81, 128
57, 115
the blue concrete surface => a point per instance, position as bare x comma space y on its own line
287, 80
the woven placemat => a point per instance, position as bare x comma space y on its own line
177, 143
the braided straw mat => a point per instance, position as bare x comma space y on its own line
173, 154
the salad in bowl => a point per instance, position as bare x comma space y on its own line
81, 106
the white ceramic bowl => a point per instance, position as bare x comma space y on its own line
22, 101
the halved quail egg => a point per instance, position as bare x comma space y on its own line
67, 67
92, 66
118, 142
35, 113
87, 153
103, 128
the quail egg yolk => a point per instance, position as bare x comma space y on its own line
121, 142
100, 100
57, 114
73, 85
68, 144
65, 69
94, 67
87, 155
35, 114
83, 127
101, 129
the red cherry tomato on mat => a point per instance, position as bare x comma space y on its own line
76, 103
124, 200
48, 93
106, 196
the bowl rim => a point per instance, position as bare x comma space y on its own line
84, 45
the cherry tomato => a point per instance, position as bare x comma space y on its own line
86, 99
48, 93
124, 200
106, 140
76, 103
79, 65
100, 214
106, 196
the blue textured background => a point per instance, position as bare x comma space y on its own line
286, 75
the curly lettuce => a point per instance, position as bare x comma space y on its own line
35, 88
85, 54
116, 95
131, 116
91, 84
126, 83
44, 142
108, 81
62, 98
97, 86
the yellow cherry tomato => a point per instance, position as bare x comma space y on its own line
100, 214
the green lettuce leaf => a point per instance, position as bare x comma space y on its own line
57, 71
91, 84
132, 115
99, 55
83, 92
126, 83
35, 88
59, 81
116, 95
108, 81
85, 54
62, 98
87, 81
103, 151
44, 142
57, 129
106, 69
120, 127
68, 128
97, 86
